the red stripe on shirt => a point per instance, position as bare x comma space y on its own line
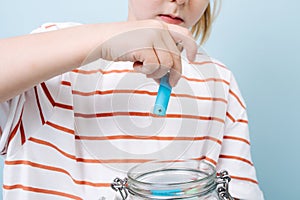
49, 26
236, 120
53, 103
208, 62
73, 157
236, 138
14, 131
244, 179
98, 92
199, 98
61, 128
22, 133
112, 161
242, 121
147, 114
55, 169
237, 98
66, 83
230, 116
47, 93
236, 158
207, 159
48, 144
196, 159
39, 105
206, 80
64, 106
161, 138
40, 190
81, 71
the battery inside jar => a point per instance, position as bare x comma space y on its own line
171, 180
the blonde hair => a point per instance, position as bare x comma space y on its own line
203, 26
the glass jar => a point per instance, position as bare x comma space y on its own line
180, 179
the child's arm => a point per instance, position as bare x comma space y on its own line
30, 59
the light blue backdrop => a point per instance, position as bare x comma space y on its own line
258, 40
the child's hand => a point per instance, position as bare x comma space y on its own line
153, 46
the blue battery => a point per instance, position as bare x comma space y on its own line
173, 192
163, 97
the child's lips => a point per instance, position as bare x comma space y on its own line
171, 19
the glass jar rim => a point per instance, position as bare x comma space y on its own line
134, 179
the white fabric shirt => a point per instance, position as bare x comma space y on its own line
69, 137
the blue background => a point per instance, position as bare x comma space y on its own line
258, 40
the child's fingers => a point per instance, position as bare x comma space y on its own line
184, 39
146, 61
175, 72
165, 64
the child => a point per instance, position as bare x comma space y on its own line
75, 113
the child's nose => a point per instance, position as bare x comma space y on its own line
179, 1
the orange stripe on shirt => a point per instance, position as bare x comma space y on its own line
237, 98
242, 121
61, 128
206, 80
208, 62
230, 116
212, 161
22, 133
97, 161
64, 106
236, 138
73, 157
66, 83
47, 93
51, 100
200, 98
98, 92
48, 144
81, 71
236, 120
39, 105
40, 190
55, 169
244, 179
15, 130
49, 26
146, 114
236, 158
161, 138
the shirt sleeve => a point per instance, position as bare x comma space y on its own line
22, 115
10, 113
235, 156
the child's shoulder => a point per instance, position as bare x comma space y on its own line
209, 65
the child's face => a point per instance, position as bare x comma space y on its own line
181, 12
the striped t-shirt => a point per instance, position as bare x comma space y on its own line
69, 137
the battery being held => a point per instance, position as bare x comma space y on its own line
163, 97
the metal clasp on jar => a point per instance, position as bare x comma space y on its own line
223, 182
119, 185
